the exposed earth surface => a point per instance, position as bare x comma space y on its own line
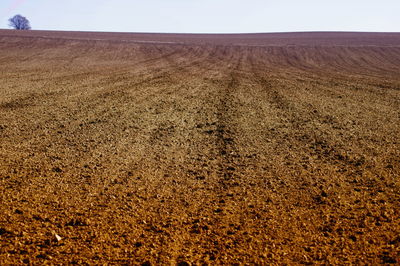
199, 149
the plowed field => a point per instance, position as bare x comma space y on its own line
199, 149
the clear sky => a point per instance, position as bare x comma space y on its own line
206, 16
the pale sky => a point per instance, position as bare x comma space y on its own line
206, 16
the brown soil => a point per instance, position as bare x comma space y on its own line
214, 149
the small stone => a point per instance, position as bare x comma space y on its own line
57, 237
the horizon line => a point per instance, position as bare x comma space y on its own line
207, 33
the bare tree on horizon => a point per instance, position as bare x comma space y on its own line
19, 22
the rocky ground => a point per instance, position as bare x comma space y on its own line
268, 150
